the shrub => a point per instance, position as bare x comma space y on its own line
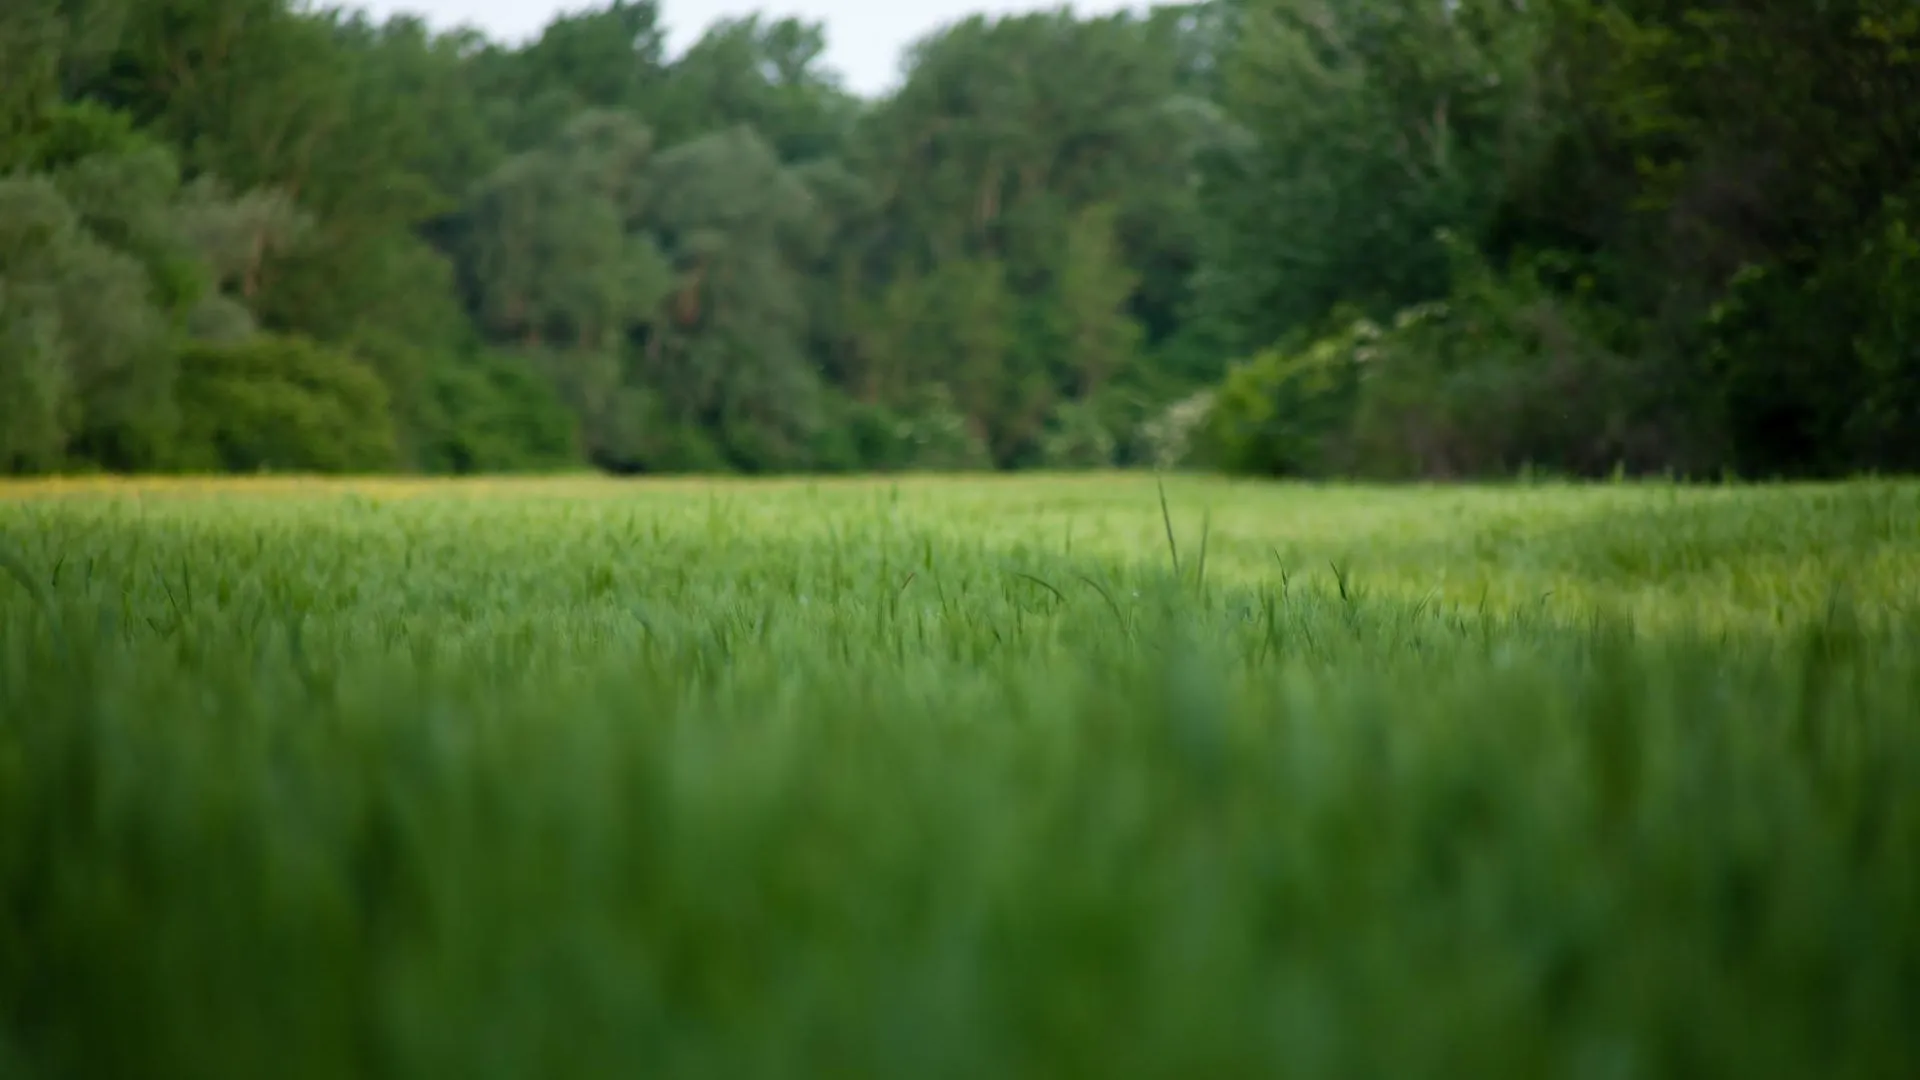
1503, 376
281, 403
1507, 376
840, 443
1287, 412
494, 413
1165, 439
1077, 437
937, 435
1817, 368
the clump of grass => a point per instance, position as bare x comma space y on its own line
695, 784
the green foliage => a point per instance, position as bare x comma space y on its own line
33, 37
927, 431
35, 393
1821, 370
941, 778
1078, 438
1693, 214
764, 73
1508, 375
1165, 440
1504, 376
1370, 124
1683, 208
1097, 337
281, 404
935, 433
66, 133
551, 247
126, 190
1286, 413
82, 348
494, 414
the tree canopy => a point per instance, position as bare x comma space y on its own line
1379, 237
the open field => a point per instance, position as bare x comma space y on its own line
958, 778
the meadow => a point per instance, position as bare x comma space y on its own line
958, 777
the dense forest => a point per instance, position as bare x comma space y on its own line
1390, 238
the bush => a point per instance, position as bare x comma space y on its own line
927, 433
684, 447
868, 437
281, 403
937, 436
1288, 412
1817, 368
1077, 437
840, 442
1165, 439
494, 413
1504, 376
1508, 376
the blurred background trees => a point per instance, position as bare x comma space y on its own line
1313, 237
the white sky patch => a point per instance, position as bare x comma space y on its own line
865, 38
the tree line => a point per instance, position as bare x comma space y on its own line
1440, 238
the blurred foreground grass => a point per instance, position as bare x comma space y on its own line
958, 778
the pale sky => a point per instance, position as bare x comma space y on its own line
865, 38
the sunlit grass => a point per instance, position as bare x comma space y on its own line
957, 776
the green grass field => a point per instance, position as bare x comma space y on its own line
958, 778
